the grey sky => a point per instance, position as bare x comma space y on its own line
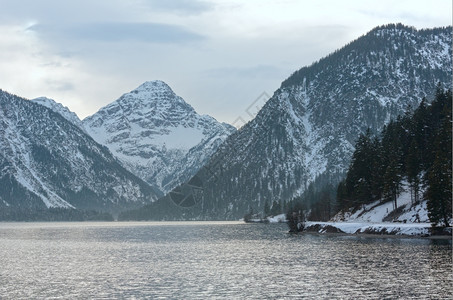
218, 55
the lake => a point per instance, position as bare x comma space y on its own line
214, 260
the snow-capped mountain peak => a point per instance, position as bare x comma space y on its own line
156, 92
156, 134
154, 87
59, 108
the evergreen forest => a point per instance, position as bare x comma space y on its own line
413, 152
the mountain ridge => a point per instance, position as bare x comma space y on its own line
49, 162
60, 109
156, 134
307, 130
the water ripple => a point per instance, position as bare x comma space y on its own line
215, 261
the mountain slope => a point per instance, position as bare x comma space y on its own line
48, 162
60, 109
306, 132
157, 135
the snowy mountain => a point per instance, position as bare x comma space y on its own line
60, 109
48, 162
307, 130
157, 135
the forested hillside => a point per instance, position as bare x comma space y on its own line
415, 149
304, 135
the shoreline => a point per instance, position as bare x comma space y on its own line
376, 235
377, 230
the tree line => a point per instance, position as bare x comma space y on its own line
415, 149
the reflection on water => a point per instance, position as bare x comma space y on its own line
214, 260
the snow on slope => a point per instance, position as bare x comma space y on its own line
157, 135
59, 108
380, 218
304, 135
412, 229
15, 146
47, 161
378, 212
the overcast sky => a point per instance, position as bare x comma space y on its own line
218, 55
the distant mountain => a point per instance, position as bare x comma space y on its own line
60, 109
306, 132
47, 162
157, 135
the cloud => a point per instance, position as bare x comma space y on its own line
56, 11
59, 85
117, 32
218, 55
259, 71
185, 7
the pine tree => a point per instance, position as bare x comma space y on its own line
392, 181
326, 201
439, 191
377, 169
392, 149
342, 196
267, 209
413, 169
421, 133
439, 177
359, 178
276, 208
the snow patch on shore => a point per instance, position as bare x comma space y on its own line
377, 211
415, 229
277, 219
381, 218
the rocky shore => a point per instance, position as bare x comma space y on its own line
422, 230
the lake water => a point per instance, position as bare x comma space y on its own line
208, 260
